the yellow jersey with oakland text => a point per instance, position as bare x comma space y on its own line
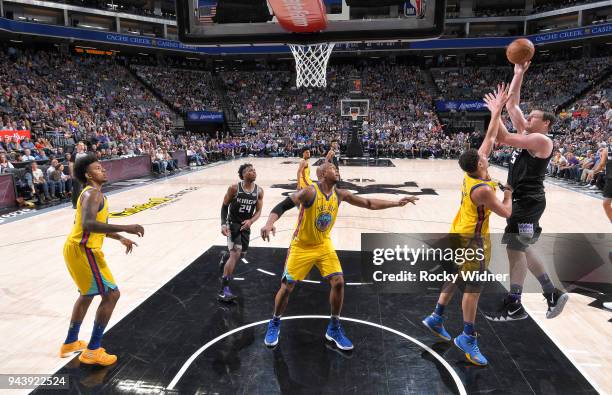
316, 219
88, 239
472, 219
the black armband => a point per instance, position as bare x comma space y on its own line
224, 209
283, 206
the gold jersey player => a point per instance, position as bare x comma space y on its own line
86, 263
303, 174
312, 246
470, 230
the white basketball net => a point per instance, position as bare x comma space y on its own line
311, 64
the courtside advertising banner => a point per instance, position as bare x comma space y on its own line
17, 134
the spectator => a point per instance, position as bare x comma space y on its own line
27, 156
4, 164
36, 181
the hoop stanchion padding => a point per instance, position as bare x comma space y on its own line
311, 64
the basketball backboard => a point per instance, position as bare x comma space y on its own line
226, 22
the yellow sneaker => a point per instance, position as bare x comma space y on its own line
68, 349
99, 356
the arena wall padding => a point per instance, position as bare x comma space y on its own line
126, 168
8, 195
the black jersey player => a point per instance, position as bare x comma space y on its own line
533, 150
241, 208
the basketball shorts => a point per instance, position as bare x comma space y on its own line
523, 227
607, 191
238, 239
471, 257
301, 259
88, 269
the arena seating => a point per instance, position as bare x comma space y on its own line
540, 88
64, 98
185, 90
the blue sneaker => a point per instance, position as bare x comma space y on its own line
469, 346
335, 334
435, 324
272, 333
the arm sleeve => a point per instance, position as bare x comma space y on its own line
283, 206
224, 209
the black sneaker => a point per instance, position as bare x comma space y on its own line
508, 311
556, 301
226, 295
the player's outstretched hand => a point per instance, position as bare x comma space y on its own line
135, 230
129, 244
496, 101
266, 230
408, 199
521, 68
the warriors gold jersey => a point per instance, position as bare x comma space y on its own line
88, 239
472, 219
316, 219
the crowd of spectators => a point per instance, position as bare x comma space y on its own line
185, 90
62, 99
550, 5
546, 85
538, 7
492, 12
126, 6
270, 107
96, 102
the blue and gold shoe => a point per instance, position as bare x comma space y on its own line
272, 333
469, 345
335, 334
435, 324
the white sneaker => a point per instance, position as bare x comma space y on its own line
608, 305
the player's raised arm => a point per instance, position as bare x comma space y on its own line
515, 112
537, 143
303, 196
495, 103
373, 204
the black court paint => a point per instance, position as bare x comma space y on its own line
154, 341
360, 162
393, 189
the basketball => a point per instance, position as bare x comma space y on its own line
520, 51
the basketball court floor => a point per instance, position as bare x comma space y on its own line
172, 336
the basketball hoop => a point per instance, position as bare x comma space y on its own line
354, 115
311, 64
